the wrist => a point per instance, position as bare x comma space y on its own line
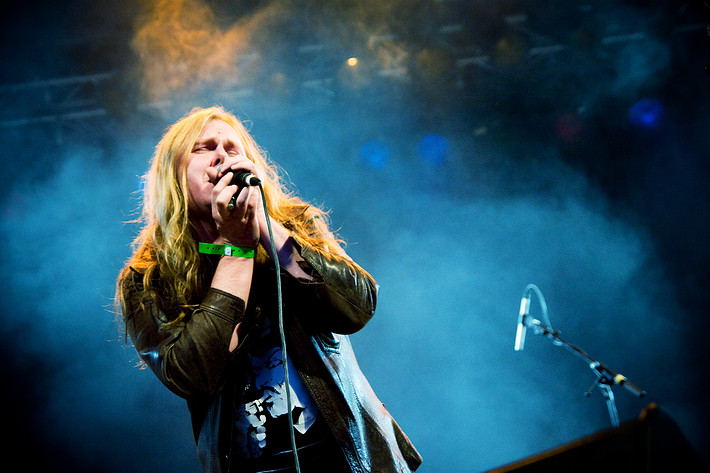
227, 250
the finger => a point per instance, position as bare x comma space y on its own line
242, 164
221, 195
236, 202
250, 194
251, 201
223, 182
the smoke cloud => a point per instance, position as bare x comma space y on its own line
182, 48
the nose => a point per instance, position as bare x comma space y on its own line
220, 156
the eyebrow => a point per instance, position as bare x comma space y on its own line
229, 144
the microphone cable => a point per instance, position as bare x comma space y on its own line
287, 385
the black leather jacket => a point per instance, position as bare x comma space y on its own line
191, 358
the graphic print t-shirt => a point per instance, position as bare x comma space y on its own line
261, 421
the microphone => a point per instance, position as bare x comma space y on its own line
522, 326
242, 179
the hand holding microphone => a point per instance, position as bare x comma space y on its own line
235, 214
241, 179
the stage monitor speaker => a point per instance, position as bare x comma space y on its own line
653, 443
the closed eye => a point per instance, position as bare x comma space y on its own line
202, 147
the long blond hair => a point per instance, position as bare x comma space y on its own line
166, 244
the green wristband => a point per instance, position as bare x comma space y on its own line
227, 250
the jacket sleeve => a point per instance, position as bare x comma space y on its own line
190, 355
341, 299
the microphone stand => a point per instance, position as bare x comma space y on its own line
605, 378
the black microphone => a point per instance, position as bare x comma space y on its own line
522, 326
242, 179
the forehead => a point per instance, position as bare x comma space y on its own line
217, 128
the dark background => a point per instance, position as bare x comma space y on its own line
476, 147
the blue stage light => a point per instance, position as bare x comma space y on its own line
433, 149
646, 113
375, 154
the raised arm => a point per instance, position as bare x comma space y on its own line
190, 355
